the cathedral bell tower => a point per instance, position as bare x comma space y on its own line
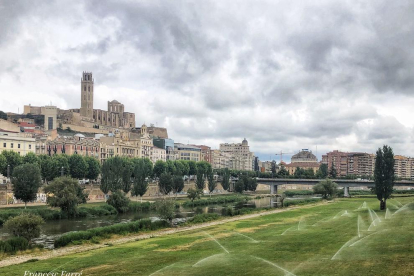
86, 109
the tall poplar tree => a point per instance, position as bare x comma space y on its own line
384, 176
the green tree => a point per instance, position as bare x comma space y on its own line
127, 169
166, 209
159, 168
26, 181
171, 167
327, 188
178, 184
3, 115
193, 194
47, 167
333, 172
322, 172
140, 174
299, 173
94, 167
252, 184
384, 175
31, 158
13, 159
78, 167
212, 184
113, 175
193, 167
26, 225
59, 161
3, 165
186, 170
309, 173
179, 167
65, 193
282, 172
119, 201
200, 181
165, 183
225, 183
239, 186
149, 167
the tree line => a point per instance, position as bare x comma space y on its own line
76, 166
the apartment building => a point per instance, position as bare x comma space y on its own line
69, 145
187, 152
17, 142
220, 159
240, 156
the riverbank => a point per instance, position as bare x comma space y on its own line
338, 238
44, 255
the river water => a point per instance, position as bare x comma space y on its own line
52, 229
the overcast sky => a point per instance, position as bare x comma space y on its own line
286, 75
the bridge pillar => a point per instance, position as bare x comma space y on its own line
346, 191
273, 189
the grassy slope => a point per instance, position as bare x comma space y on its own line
308, 251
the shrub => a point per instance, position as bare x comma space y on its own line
300, 201
215, 200
107, 231
119, 201
298, 192
26, 225
204, 218
140, 206
166, 209
14, 244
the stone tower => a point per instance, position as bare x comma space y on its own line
86, 109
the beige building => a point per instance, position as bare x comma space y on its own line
291, 168
145, 144
158, 154
350, 163
187, 152
49, 112
16, 142
69, 145
127, 145
86, 116
220, 159
240, 156
115, 146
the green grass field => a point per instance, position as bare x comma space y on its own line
340, 238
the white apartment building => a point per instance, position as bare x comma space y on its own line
240, 156
158, 154
17, 142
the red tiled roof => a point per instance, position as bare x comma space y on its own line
25, 124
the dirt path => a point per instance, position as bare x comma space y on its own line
44, 255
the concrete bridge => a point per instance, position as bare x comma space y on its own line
346, 183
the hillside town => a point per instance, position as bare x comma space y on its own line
107, 133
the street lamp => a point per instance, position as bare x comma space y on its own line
61, 171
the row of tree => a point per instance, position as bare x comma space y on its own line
76, 166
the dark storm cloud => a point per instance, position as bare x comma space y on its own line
291, 72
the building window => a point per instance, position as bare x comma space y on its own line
84, 88
11, 145
18, 146
30, 146
89, 88
4, 145
50, 123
